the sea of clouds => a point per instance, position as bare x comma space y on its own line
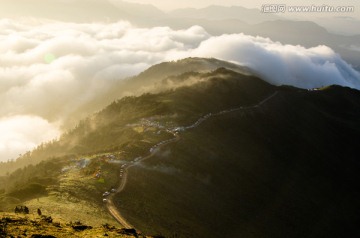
49, 70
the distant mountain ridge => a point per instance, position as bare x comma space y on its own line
251, 16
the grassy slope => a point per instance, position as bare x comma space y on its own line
64, 188
17, 225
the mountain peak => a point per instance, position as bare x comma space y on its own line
193, 64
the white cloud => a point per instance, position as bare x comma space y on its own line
283, 64
23, 133
53, 70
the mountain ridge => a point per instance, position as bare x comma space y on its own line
281, 163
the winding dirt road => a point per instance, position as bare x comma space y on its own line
153, 150
123, 180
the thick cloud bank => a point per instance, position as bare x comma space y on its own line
283, 64
50, 70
